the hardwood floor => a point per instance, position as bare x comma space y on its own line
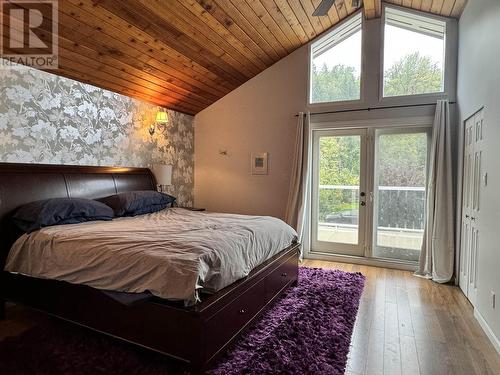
408, 325
405, 325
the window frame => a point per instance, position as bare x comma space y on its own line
449, 85
310, 104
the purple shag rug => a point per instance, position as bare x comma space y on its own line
307, 331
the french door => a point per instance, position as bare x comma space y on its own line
339, 193
368, 192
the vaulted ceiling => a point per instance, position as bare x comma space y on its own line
186, 54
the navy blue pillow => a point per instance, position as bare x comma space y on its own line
58, 211
132, 203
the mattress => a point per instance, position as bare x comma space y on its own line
173, 254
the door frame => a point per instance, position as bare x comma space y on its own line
358, 249
320, 123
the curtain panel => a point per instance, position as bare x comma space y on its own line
438, 248
295, 214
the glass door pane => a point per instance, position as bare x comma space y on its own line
399, 193
338, 193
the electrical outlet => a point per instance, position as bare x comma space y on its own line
492, 299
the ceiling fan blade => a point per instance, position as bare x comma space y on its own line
323, 8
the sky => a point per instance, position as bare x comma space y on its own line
400, 42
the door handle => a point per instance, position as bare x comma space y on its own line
362, 194
362, 203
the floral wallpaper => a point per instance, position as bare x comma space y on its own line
49, 119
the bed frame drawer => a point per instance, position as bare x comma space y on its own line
229, 321
281, 277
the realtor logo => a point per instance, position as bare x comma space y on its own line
28, 33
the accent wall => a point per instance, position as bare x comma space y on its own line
48, 119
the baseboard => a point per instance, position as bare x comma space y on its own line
486, 328
361, 260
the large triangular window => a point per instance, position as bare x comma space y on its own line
414, 53
336, 64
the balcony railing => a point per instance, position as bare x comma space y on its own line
396, 207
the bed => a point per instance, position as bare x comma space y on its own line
195, 326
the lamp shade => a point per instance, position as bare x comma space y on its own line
162, 117
163, 173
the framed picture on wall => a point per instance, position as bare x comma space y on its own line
259, 163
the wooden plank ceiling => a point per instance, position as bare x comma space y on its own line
186, 54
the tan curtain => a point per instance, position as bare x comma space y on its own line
437, 255
297, 195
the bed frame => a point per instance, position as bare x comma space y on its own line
197, 335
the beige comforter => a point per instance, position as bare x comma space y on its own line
172, 253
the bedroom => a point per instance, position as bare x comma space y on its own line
321, 155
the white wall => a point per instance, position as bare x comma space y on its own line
479, 85
258, 116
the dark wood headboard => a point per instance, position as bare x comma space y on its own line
24, 183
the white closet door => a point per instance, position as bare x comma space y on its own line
467, 188
471, 207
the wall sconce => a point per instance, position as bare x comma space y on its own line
160, 122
